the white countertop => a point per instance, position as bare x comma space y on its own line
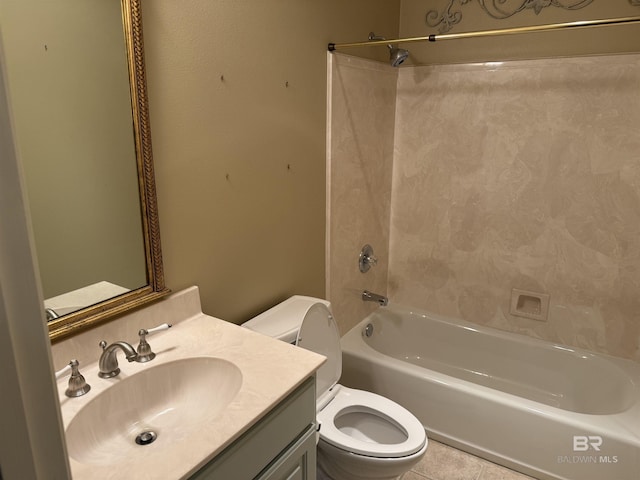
271, 369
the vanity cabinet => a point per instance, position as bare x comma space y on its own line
281, 446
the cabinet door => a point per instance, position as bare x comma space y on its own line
298, 462
264, 444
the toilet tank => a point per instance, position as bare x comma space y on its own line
283, 320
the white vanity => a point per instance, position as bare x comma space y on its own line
222, 401
281, 446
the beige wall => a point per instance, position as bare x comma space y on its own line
536, 45
69, 92
237, 95
32, 441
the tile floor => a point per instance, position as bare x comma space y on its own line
446, 463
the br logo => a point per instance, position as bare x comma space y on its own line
582, 443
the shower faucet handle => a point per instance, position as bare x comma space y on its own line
144, 349
367, 259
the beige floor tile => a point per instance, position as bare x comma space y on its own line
413, 476
445, 463
491, 471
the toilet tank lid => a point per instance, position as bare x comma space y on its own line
283, 320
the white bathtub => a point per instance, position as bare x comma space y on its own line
546, 410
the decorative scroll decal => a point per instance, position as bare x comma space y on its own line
500, 9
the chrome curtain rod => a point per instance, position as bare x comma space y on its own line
490, 33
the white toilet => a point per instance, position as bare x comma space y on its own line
363, 436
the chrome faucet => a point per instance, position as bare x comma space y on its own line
368, 296
108, 363
51, 314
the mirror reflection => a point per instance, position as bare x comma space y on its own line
69, 87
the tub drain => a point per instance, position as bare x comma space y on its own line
368, 330
145, 438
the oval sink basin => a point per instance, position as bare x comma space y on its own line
173, 401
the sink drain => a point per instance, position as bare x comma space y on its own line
145, 438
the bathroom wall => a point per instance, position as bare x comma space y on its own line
359, 167
577, 42
522, 175
237, 94
32, 441
507, 175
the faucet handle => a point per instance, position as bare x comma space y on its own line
367, 259
144, 349
77, 384
159, 328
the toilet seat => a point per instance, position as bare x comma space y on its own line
396, 419
319, 333
397, 432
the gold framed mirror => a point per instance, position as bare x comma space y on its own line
77, 88
155, 287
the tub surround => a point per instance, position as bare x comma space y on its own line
506, 175
262, 361
521, 175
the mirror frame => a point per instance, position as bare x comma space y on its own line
155, 288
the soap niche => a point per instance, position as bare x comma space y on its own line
527, 304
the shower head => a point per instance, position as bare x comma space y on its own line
397, 55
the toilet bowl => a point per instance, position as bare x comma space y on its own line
362, 435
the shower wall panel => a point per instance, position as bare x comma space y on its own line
359, 166
522, 175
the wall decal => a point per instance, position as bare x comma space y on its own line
499, 9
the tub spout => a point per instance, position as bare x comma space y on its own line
368, 296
